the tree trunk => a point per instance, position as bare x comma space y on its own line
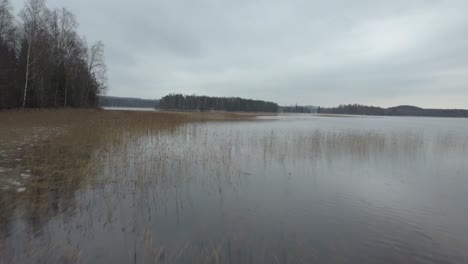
85, 88
87, 94
56, 91
66, 89
27, 75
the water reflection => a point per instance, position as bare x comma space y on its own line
284, 190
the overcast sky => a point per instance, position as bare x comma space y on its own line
324, 52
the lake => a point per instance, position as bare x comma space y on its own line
274, 189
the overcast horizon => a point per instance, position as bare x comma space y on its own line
322, 53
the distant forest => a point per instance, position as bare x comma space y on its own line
112, 101
298, 109
404, 110
203, 103
44, 61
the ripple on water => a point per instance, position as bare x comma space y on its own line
360, 198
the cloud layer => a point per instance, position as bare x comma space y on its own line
308, 52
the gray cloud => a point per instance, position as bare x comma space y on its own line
308, 52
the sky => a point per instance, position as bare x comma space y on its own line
325, 53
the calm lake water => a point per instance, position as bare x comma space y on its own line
279, 189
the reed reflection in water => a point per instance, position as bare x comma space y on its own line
284, 189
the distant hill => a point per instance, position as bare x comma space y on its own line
402, 110
113, 101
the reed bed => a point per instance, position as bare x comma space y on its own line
46, 156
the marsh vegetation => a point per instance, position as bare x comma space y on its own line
89, 186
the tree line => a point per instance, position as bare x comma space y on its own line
203, 103
403, 110
297, 109
44, 62
113, 101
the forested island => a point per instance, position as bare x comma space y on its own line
113, 101
44, 60
203, 103
403, 110
298, 109
208, 103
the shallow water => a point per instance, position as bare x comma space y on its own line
280, 189
114, 108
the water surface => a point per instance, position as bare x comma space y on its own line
279, 189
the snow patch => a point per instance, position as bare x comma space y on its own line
22, 189
15, 183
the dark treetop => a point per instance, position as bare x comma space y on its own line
203, 103
113, 101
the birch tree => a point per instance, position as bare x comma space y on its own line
32, 16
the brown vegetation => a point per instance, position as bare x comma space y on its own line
47, 155
49, 149
40, 139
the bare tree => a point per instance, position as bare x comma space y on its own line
6, 20
96, 68
32, 15
68, 43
